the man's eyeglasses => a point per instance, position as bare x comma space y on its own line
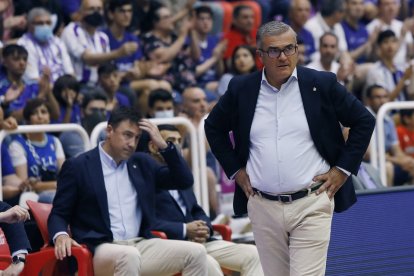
276, 52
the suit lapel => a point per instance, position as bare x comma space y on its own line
94, 167
311, 99
136, 178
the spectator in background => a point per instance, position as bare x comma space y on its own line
14, 91
160, 104
328, 20
299, 14
242, 62
11, 222
38, 156
210, 65
45, 49
242, 32
387, 20
385, 72
71, 10
109, 80
402, 169
12, 24
181, 218
405, 131
66, 91
88, 47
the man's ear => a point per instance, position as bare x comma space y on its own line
153, 149
109, 130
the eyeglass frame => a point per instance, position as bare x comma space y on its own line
295, 47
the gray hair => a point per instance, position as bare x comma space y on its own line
272, 28
35, 12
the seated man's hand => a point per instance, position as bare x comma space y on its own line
197, 231
14, 215
63, 246
13, 270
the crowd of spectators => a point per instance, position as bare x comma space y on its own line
75, 61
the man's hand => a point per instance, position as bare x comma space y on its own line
128, 48
243, 179
154, 133
13, 270
63, 246
14, 215
197, 231
333, 180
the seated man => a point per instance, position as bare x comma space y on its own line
10, 223
107, 197
181, 218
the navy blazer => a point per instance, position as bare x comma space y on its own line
81, 198
326, 104
170, 218
15, 234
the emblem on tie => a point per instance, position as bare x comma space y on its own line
314, 89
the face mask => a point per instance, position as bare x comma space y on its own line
43, 33
164, 114
94, 19
90, 121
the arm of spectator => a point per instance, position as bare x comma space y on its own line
366, 48
167, 54
94, 59
183, 12
14, 215
45, 92
215, 59
401, 83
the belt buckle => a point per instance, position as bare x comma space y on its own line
286, 196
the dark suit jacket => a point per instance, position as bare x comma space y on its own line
326, 104
170, 218
81, 198
15, 234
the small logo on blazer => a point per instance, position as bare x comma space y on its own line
314, 89
134, 166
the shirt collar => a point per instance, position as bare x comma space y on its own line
106, 158
293, 76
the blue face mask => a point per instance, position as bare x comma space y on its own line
43, 33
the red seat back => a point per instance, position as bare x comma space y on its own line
41, 213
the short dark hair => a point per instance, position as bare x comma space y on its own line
107, 68
31, 106
168, 127
120, 114
371, 88
385, 35
405, 113
63, 82
92, 96
159, 95
238, 9
112, 5
329, 7
203, 9
14, 49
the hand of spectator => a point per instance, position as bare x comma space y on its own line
44, 82
13, 270
333, 180
243, 180
408, 73
14, 215
186, 26
190, 3
220, 48
69, 96
15, 22
154, 133
128, 48
63, 246
197, 231
13, 93
9, 123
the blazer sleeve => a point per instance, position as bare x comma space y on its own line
15, 234
217, 127
173, 229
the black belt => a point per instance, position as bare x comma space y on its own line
288, 198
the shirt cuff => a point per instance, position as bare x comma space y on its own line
184, 230
344, 171
58, 234
21, 251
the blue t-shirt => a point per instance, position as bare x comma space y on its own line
75, 117
124, 63
355, 37
30, 91
206, 53
122, 99
6, 164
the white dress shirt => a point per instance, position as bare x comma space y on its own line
124, 211
176, 195
283, 157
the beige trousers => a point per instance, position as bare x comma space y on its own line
292, 238
236, 257
150, 257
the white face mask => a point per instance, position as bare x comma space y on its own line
164, 114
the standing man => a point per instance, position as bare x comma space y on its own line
107, 196
289, 156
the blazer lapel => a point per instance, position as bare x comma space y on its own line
311, 99
94, 168
136, 178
